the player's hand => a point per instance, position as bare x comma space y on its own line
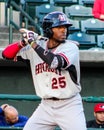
28, 36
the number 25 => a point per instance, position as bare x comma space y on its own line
60, 82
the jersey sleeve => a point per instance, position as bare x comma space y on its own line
70, 53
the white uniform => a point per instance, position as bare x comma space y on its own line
49, 82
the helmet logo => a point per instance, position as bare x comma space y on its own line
61, 17
102, 107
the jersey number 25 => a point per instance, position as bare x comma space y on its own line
58, 82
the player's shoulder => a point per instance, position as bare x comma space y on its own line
71, 42
91, 123
68, 46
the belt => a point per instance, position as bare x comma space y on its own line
55, 99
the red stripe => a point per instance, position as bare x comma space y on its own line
61, 54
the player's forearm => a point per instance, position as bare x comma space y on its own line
54, 61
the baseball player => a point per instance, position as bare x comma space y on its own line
55, 70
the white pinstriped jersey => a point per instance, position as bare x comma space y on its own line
51, 82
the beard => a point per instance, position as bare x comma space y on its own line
100, 122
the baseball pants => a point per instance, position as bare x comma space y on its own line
67, 114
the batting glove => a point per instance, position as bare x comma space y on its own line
28, 36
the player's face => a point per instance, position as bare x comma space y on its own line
99, 116
59, 34
11, 118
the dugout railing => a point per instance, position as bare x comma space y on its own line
14, 97
90, 99
15, 5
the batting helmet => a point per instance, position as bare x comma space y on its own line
54, 19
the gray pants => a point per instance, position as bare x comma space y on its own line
67, 114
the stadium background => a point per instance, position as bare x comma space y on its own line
15, 78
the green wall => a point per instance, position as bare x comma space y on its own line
15, 78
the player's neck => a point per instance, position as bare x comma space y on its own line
52, 44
